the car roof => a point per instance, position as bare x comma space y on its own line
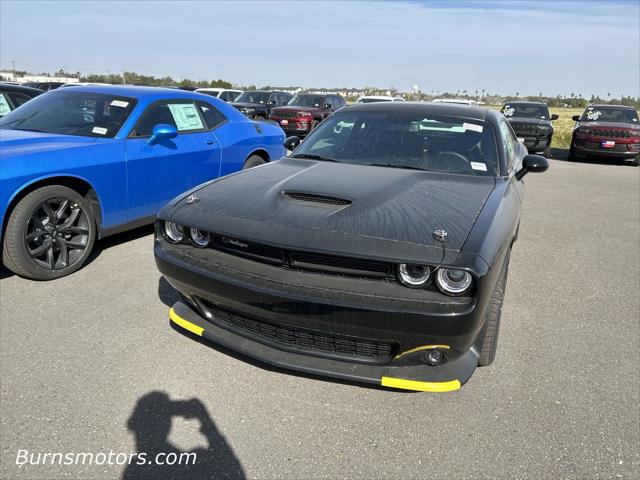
447, 109
10, 87
524, 102
132, 91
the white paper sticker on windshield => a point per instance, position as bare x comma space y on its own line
186, 116
479, 166
99, 130
473, 127
593, 115
119, 103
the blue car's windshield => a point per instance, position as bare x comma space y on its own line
410, 140
70, 112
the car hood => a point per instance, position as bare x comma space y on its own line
609, 125
528, 121
389, 213
293, 108
21, 142
248, 105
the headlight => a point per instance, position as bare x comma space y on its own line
173, 232
453, 282
414, 276
199, 238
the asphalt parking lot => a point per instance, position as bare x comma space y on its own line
85, 359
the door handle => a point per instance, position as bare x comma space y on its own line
210, 142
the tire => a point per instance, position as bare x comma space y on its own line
572, 155
314, 124
492, 318
253, 161
636, 162
547, 152
57, 223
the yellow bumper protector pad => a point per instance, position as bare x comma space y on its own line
420, 386
178, 320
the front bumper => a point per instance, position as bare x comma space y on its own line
536, 143
233, 301
592, 147
294, 126
447, 377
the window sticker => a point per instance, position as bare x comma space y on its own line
508, 111
4, 106
473, 127
99, 130
119, 103
186, 116
479, 166
593, 114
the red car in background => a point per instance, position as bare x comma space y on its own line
607, 131
305, 111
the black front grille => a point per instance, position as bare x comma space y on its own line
314, 198
284, 113
344, 265
302, 339
248, 249
610, 133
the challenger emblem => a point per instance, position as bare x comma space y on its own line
233, 241
192, 199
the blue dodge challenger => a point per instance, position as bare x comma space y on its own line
81, 163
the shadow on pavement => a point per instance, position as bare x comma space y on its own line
151, 422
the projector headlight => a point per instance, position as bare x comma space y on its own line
414, 276
199, 237
453, 282
173, 232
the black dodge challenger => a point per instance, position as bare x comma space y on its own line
377, 252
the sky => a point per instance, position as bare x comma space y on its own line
505, 47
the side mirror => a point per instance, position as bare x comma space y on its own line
292, 142
554, 116
162, 131
533, 164
327, 106
576, 118
271, 102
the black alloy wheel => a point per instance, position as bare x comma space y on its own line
50, 233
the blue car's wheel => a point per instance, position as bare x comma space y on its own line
50, 233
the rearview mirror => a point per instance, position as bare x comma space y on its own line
162, 131
554, 117
292, 142
533, 164
576, 118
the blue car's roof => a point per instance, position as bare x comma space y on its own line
133, 91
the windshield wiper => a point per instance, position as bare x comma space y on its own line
311, 156
29, 130
395, 165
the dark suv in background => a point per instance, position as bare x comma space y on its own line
607, 131
305, 111
258, 103
532, 123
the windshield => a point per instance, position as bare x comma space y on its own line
253, 97
307, 101
70, 112
610, 114
510, 110
405, 140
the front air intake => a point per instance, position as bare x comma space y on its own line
315, 198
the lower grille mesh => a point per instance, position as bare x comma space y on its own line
308, 340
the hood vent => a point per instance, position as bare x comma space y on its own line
314, 198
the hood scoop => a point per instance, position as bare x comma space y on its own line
317, 199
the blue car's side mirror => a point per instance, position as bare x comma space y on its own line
162, 131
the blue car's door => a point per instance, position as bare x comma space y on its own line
158, 171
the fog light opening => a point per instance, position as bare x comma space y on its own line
434, 357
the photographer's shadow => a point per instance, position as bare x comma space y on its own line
151, 421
